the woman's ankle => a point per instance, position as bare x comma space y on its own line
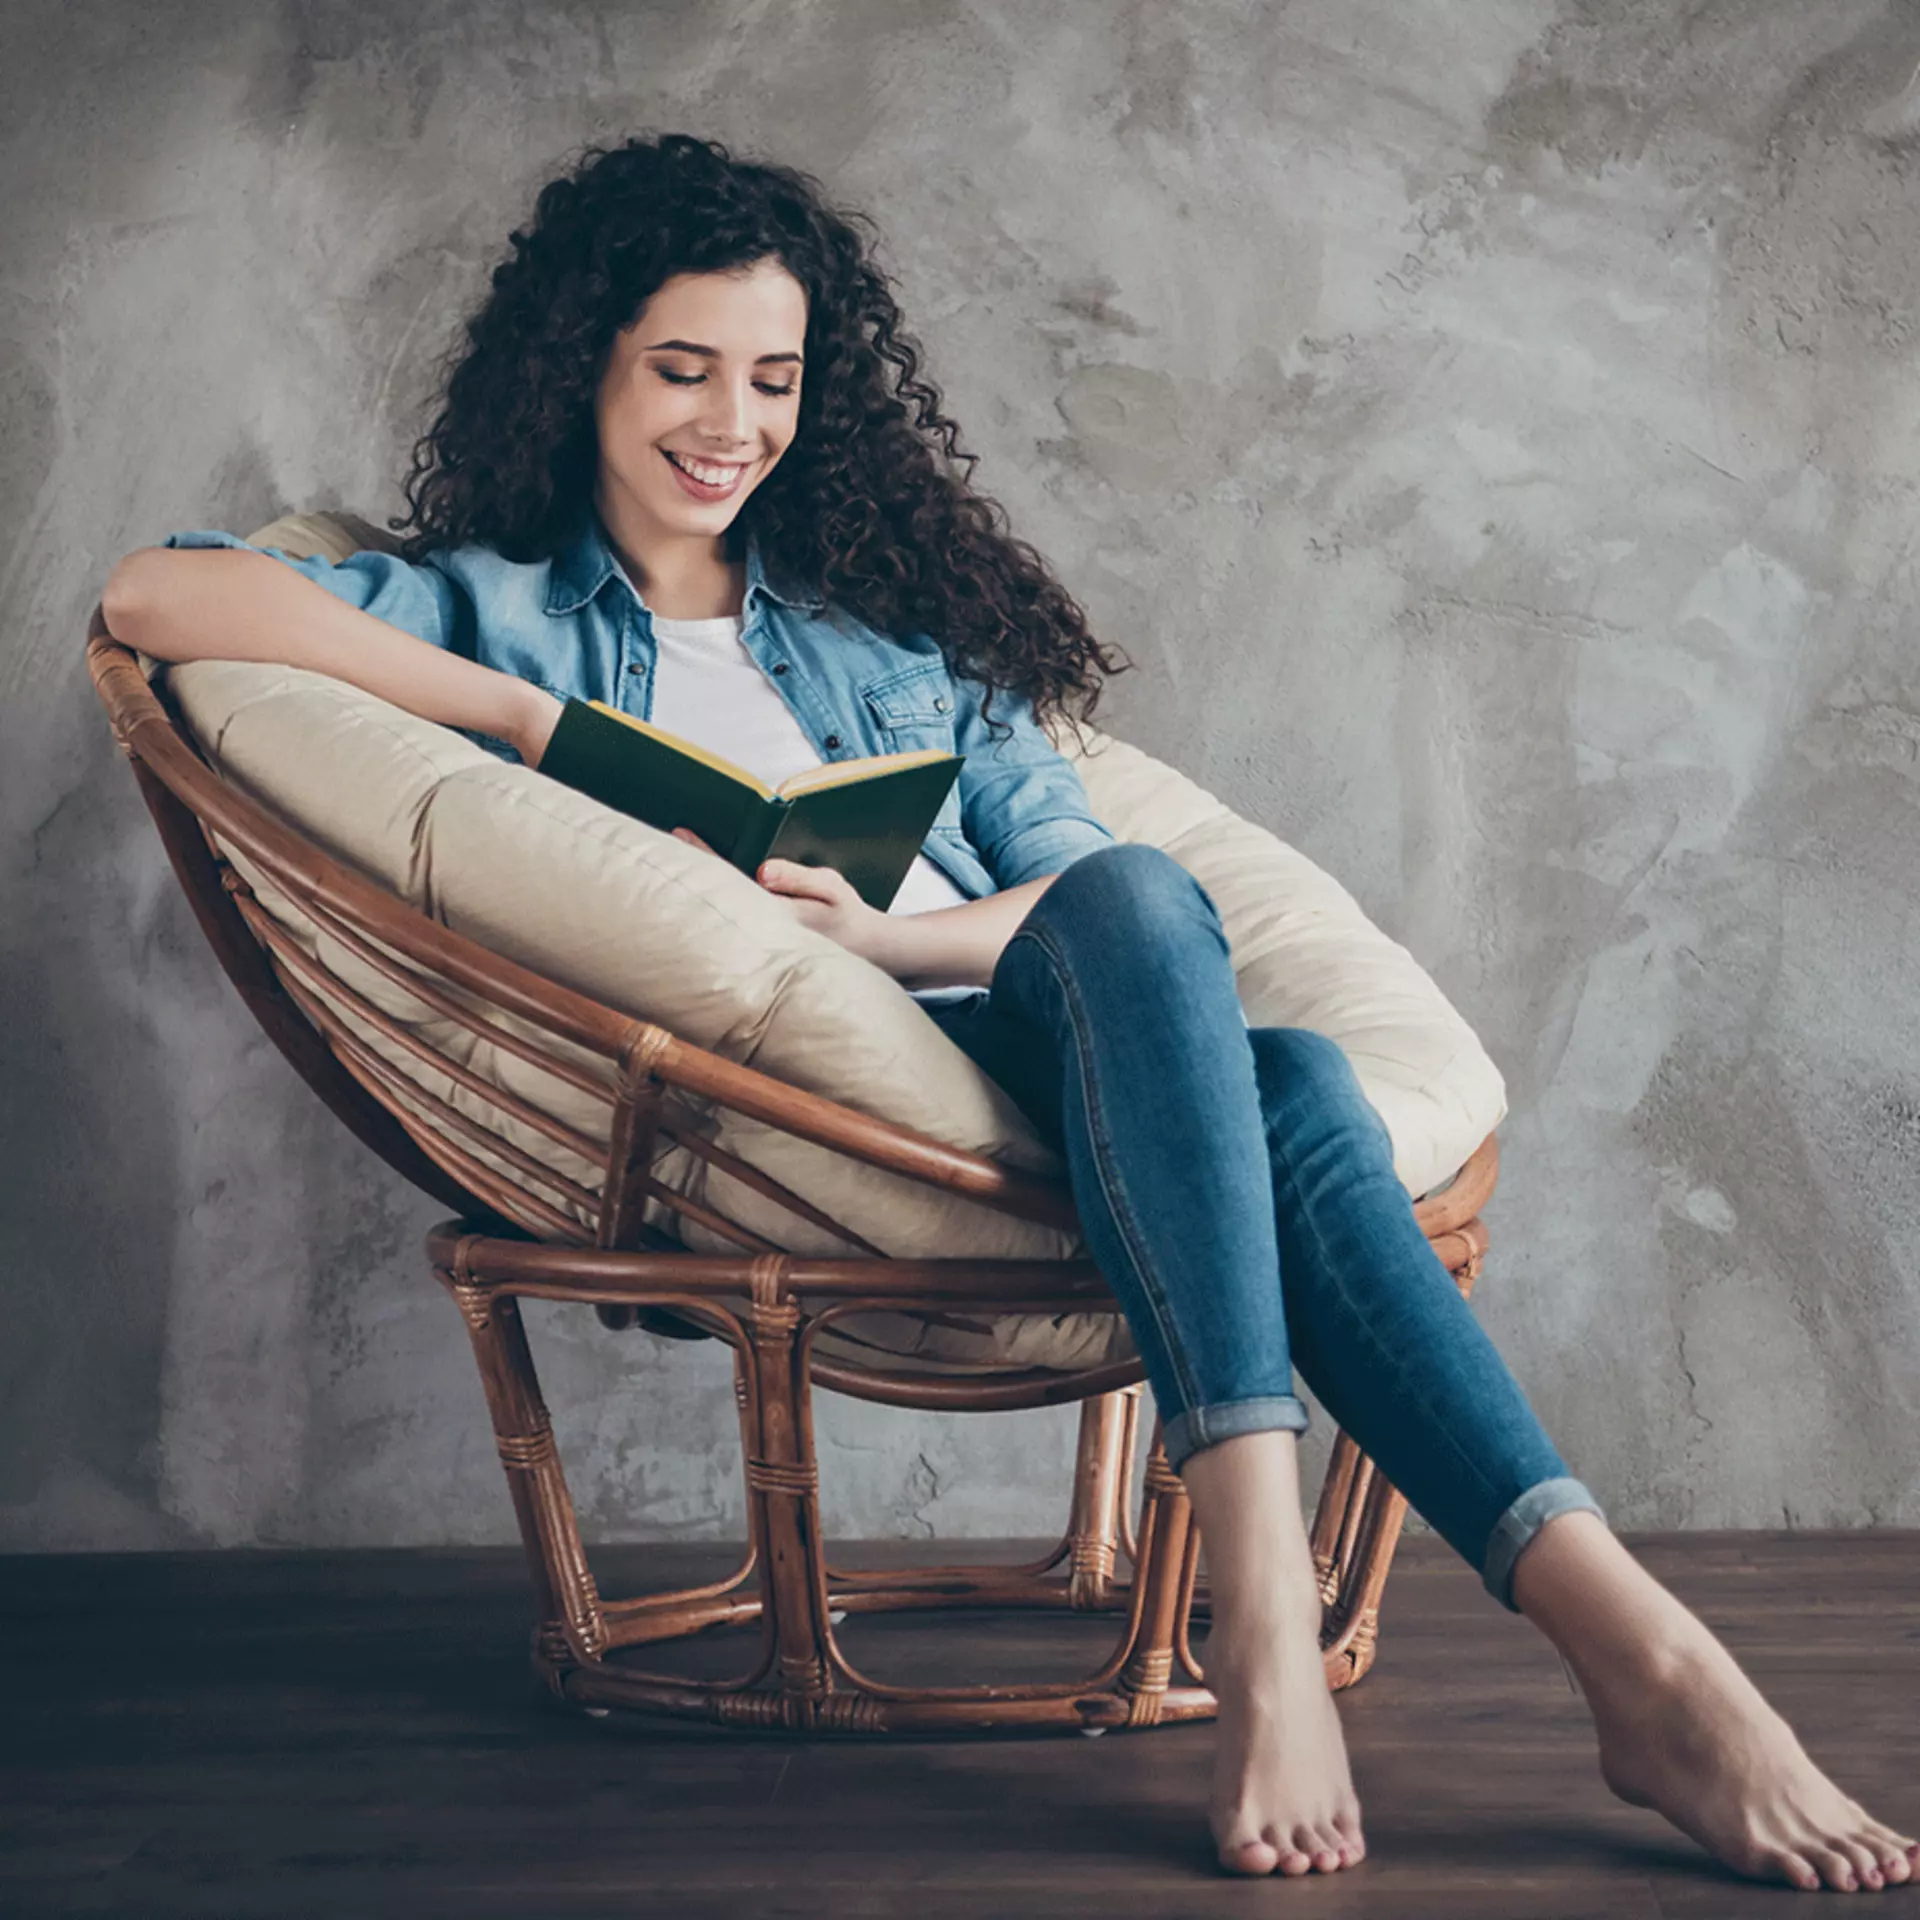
1260, 1634
1265, 1627
1615, 1625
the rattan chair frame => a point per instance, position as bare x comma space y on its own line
511, 1241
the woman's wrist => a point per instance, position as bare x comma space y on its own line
535, 714
881, 945
953, 946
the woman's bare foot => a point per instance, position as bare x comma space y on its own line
1282, 1796
1691, 1738
1683, 1731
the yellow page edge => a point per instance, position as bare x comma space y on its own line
838, 773
681, 745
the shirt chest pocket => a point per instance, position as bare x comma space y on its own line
911, 711
912, 708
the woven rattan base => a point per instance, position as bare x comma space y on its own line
1140, 1570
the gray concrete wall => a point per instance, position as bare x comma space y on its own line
1489, 424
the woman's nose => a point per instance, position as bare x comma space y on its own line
725, 419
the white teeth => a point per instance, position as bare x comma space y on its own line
711, 476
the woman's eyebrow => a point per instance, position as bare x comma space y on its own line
713, 353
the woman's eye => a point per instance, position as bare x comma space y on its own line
694, 379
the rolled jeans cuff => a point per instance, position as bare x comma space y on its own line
1186, 1433
1521, 1521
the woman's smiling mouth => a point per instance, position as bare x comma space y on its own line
705, 479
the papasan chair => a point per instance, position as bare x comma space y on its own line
641, 1086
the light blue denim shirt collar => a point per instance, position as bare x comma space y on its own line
584, 564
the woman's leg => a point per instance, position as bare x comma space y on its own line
1114, 1020
1107, 1022
1380, 1332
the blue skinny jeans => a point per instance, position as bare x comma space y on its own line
1237, 1192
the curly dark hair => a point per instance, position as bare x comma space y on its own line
863, 507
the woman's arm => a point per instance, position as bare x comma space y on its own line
223, 604
952, 946
949, 947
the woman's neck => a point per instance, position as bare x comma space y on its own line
680, 579
708, 591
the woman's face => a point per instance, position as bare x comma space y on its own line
700, 398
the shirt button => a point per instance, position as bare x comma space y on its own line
779, 666
636, 669
833, 743
940, 705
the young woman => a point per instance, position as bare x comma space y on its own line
687, 464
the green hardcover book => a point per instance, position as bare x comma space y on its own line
864, 818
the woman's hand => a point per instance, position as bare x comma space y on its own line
819, 898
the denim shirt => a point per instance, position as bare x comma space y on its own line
575, 625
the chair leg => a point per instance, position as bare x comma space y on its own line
1102, 1473
570, 1625
1349, 1635
1168, 1549
783, 1500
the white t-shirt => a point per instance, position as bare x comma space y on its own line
708, 689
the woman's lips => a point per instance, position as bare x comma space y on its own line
701, 489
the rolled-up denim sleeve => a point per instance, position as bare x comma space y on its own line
419, 600
1022, 804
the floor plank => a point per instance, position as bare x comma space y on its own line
277, 1734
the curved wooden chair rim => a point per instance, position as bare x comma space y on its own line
637, 1049
754, 1300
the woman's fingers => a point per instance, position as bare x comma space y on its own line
789, 877
811, 883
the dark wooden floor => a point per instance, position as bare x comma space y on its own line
353, 1734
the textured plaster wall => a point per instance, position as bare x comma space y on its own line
1489, 424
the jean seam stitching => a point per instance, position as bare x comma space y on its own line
1116, 1205
1394, 1365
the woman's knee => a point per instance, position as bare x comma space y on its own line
1300, 1054
1133, 891
1299, 1069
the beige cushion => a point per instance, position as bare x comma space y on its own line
649, 926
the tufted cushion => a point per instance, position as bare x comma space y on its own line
651, 927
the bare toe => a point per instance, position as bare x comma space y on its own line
1884, 1841
1249, 1856
1833, 1867
1793, 1869
1866, 1863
